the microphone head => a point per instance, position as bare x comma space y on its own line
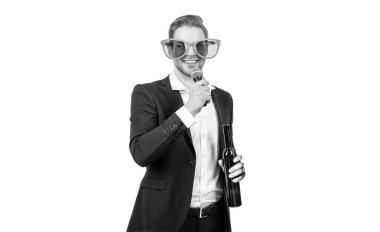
196, 75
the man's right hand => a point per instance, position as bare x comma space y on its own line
199, 94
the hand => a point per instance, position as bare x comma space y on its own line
237, 171
199, 94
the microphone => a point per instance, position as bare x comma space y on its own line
197, 75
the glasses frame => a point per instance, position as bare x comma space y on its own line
188, 45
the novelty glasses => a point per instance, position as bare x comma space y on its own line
175, 49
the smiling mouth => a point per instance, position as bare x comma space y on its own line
190, 61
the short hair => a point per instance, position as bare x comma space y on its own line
187, 20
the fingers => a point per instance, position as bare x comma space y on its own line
203, 89
201, 86
199, 94
236, 167
236, 173
200, 83
203, 95
207, 97
239, 178
237, 158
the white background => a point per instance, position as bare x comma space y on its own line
304, 76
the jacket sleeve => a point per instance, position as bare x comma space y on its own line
147, 136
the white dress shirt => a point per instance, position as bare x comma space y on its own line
204, 133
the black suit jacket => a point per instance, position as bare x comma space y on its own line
161, 142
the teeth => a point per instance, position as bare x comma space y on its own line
190, 61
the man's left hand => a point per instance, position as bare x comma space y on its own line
236, 172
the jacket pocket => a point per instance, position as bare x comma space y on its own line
153, 183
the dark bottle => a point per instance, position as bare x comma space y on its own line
229, 153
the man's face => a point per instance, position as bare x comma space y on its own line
190, 61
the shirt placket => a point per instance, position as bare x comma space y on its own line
202, 131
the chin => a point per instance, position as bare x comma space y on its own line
187, 69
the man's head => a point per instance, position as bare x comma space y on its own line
187, 20
188, 28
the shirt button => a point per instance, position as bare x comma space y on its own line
192, 162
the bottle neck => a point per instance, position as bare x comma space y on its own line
227, 135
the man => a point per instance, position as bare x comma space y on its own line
176, 134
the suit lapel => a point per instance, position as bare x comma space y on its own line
173, 95
175, 99
218, 108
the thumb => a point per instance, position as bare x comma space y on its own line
220, 162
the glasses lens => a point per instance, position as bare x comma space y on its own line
207, 48
174, 48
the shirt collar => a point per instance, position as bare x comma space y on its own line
176, 84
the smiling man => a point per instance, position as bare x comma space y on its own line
176, 134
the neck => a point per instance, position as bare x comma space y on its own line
186, 80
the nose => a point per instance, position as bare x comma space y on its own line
191, 51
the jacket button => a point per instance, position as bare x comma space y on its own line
192, 162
